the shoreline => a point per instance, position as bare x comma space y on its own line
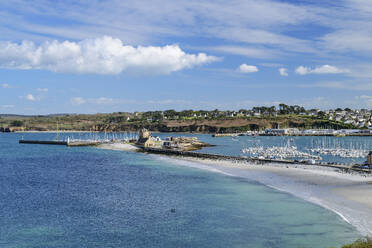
345, 194
210, 133
341, 193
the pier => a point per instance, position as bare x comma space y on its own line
61, 143
44, 142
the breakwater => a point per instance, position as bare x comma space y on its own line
62, 143
303, 134
171, 152
43, 142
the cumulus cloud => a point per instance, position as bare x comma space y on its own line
244, 68
324, 69
30, 97
283, 72
104, 55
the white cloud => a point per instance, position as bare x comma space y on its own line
5, 86
244, 68
77, 100
349, 40
42, 89
347, 85
118, 101
30, 97
365, 97
96, 101
7, 106
302, 70
103, 101
252, 52
104, 55
283, 72
271, 64
324, 69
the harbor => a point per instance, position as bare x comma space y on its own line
299, 132
258, 154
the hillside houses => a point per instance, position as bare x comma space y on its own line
357, 118
361, 118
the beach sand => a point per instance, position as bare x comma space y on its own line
118, 147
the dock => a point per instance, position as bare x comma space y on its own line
61, 143
44, 142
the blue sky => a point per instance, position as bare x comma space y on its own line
105, 56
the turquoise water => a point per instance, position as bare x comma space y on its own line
53, 196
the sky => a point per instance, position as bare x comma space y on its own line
94, 56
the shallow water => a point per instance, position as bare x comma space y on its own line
53, 196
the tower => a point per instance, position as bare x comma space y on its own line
144, 133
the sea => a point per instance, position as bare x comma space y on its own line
77, 197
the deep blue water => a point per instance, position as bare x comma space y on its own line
54, 196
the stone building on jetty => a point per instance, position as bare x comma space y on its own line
145, 139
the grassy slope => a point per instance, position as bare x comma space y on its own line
118, 122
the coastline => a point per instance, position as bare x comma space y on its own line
339, 192
346, 194
193, 132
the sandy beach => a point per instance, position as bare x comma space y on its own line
349, 195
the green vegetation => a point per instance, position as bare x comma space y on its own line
360, 243
17, 123
257, 118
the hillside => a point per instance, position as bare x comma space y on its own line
131, 122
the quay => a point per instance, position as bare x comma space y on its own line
297, 134
62, 143
43, 142
171, 152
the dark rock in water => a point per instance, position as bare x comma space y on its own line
173, 210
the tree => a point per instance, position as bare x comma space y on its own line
283, 109
170, 113
17, 123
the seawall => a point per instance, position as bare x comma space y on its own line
171, 152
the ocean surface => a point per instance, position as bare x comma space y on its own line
54, 196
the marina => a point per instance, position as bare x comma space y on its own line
286, 153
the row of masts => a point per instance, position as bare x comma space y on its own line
278, 152
100, 137
316, 150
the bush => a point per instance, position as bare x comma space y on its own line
360, 243
16, 123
